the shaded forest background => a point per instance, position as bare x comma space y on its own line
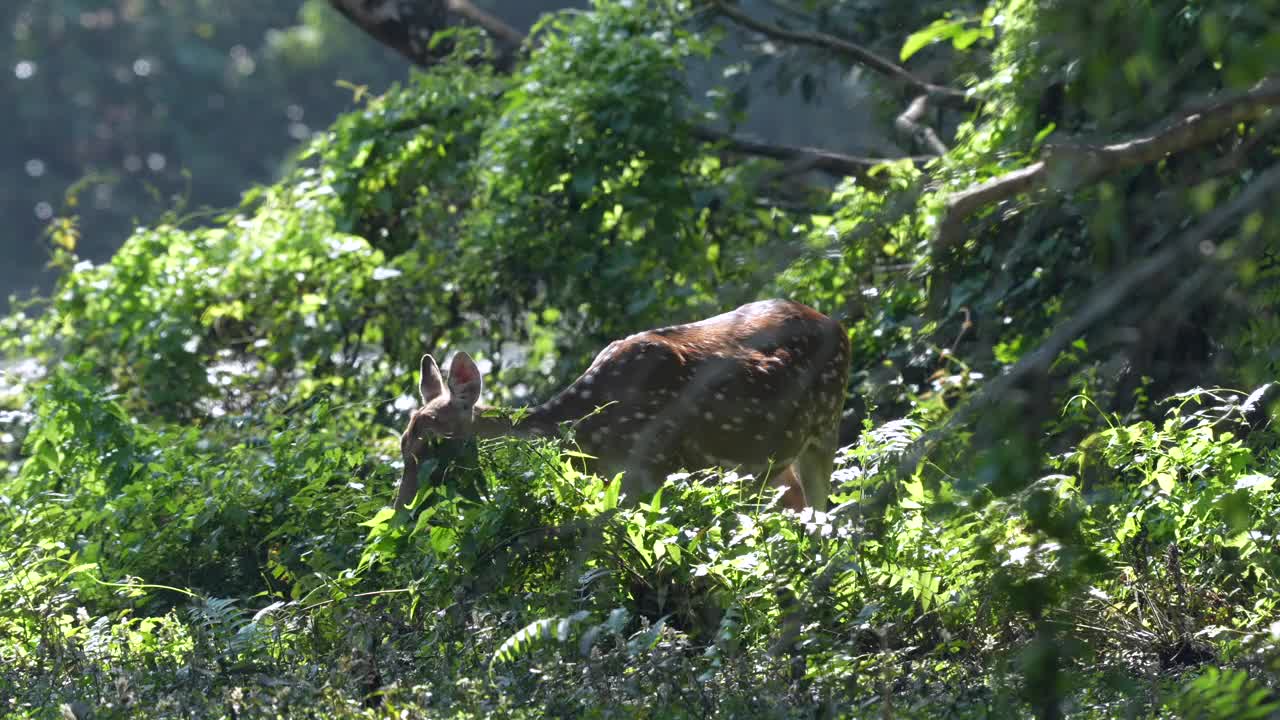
131, 108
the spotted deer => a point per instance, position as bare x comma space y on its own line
759, 388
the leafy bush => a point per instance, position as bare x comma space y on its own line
197, 474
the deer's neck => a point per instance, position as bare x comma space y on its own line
487, 422
533, 422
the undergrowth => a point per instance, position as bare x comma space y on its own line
269, 577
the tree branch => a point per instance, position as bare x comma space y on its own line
909, 124
949, 97
407, 26
491, 23
1069, 165
1110, 295
802, 158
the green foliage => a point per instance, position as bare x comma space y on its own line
1224, 694
596, 122
1099, 72
544, 577
196, 474
960, 32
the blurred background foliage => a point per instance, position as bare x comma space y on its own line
1054, 500
143, 105
121, 111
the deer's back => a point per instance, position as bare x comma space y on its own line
737, 389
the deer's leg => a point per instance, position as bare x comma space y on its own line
792, 611
814, 466
808, 483
653, 455
795, 496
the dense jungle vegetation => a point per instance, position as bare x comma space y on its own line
1056, 495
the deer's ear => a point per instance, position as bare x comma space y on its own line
430, 382
464, 380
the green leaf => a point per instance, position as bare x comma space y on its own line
362, 155
938, 30
674, 551
443, 539
380, 518
966, 38
534, 634
1044, 133
523, 639
612, 491
82, 567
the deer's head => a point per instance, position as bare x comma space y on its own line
447, 406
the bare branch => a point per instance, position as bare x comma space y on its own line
910, 125
405, 26
948, 97
801, 158
1188, 129
491, 23
1069, 165
1238, 159
408, 26
1111, 294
